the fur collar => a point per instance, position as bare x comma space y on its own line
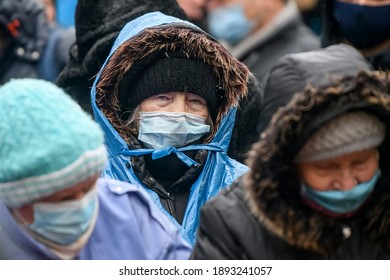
232, 74
273, 187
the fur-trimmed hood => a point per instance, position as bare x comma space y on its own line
97, 26
274, 188
154, 32
145, 36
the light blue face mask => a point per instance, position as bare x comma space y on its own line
229, 23
165, 129
342, 202
64, 222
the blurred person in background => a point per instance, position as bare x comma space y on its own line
363, 24
258, 32
31, 47
50, 9
293, 72
60, 39
311, 14
52, 203
196, 11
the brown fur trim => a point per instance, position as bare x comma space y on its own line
273, 186
231, 73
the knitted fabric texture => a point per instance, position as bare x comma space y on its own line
48, 143
98, 24
170, 72
348, 133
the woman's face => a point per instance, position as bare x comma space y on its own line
176, 102
75, 192
340, 173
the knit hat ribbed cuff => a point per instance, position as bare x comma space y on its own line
348, 133
27, 190
170, 72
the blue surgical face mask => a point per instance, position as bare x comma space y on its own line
341, 202
165, 129
363, 26
229, 23
64, 222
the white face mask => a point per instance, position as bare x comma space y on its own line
64, 222
165, 129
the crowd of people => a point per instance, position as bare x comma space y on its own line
195, 129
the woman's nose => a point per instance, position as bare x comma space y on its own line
179, 105
345, 182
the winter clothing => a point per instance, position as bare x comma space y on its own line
260, 51
49, 145
95, 36
170, 72
348, 133
38, 156
295, 71
331, 34
187, 176
262, 215
37, 50
244, 131
117, 234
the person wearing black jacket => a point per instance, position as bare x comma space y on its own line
293, 72
277, 210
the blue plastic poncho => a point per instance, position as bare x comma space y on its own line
219, 170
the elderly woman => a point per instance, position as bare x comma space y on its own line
166, 99
53, 205
318, 185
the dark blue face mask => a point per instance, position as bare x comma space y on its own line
363, 26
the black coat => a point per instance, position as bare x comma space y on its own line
293, 72
262, 216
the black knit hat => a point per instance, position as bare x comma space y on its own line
98, 23
169, 72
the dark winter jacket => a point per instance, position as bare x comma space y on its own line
262, 216
141, 41
293, 72
37, 49
330, 35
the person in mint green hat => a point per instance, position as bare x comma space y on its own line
52, 204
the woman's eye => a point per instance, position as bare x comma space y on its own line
197, 101
162, 97
324, 168
360, 162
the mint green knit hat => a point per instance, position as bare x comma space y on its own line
47, 142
